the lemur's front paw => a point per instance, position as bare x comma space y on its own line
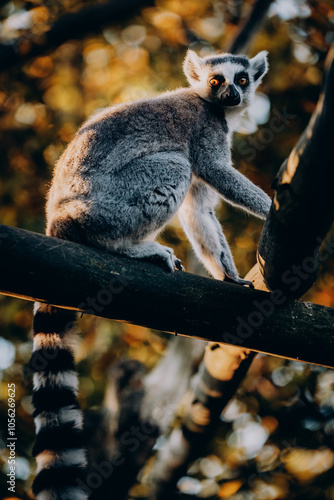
238, 281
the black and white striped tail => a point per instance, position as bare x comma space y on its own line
59, 452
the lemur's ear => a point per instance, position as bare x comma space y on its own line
192, 66
259, 66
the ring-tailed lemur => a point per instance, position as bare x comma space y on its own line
128, 170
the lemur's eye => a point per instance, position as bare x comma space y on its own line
243, 80
214, 82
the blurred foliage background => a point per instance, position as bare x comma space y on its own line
275, 439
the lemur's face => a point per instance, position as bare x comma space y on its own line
229, 80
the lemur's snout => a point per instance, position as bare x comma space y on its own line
234, 94
231, 96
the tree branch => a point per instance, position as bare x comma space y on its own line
250, 26
68, 27
65, 274
303, 205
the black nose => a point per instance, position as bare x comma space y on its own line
233, 99
234, 94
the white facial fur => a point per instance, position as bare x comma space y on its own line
228, 68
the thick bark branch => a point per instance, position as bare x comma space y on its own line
65, 274
303, 204
68, 27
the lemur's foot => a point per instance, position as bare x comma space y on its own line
238, 281
165, 255
178, 265
153, 251
171, 260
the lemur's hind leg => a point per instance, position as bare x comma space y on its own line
202, 228
161, 183
125, 215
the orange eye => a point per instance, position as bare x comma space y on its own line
214, 82
243, 80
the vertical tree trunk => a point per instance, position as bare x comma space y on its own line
303, 205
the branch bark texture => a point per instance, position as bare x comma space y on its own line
65, 274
